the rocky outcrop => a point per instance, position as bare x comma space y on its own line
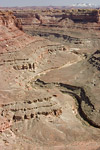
12, 37
20, 111
9, 20
25, 66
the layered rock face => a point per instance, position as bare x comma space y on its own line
55, 16
49, 91
11, 35
22, 58
82, 15
74, 27
9, 20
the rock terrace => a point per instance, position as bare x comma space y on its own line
50, 82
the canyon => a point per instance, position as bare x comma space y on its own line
50, 79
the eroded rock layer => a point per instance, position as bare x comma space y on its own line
12, 38
49, 90
74, 27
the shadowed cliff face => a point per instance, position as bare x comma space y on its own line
49, 90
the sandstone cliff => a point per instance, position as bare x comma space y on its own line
9, 20
11, 35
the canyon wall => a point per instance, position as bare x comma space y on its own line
66, 26
54, 16
12, 37
9, 20
49, 91
82, 15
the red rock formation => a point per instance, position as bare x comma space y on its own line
9, 20
11, 35
44, 86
